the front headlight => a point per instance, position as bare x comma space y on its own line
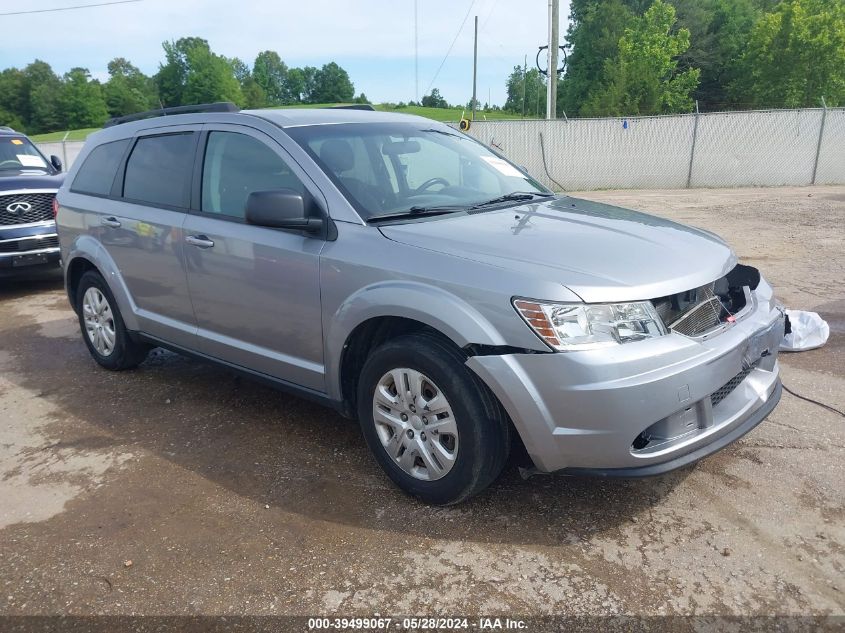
579, 326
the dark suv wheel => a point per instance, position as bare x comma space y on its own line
431, 424
102, 326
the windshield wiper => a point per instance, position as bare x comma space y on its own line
417, 212
513, 196
443, 132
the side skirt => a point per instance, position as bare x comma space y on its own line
270, 381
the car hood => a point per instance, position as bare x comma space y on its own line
13, 180
598, 251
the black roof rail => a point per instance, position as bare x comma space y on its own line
222, 106
354, 106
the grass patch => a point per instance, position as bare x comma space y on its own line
73, 135
448, 114
445, 115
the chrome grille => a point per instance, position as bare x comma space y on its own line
725, 390
701, 311
26, 244
40, 208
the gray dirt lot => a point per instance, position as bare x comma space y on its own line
228, 497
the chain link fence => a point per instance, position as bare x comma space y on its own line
724, 149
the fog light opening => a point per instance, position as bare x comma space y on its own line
641, 441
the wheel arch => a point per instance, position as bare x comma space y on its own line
376, 313
87, 254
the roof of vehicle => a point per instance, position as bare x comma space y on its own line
281, 117
5, 130
293, 117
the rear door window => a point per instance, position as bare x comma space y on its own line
97, 173
159, 169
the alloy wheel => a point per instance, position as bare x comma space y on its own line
99, 321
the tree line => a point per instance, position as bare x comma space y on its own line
35, 99
643, 57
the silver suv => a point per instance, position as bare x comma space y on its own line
410, 277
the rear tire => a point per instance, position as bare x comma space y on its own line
103, 329
440, 435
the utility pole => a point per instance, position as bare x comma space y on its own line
818, 147
474, 65
551, 93
416, 52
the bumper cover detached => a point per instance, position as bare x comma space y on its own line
644, 408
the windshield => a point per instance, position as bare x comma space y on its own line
18, 153
391, 168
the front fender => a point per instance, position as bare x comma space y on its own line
90, 249
435, 307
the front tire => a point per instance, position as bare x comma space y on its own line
431, 424
103, 329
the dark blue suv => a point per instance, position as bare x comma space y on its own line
28, 185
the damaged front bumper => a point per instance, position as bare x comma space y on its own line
642, 408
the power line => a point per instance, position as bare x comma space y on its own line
78, 6
451, 46
489, 14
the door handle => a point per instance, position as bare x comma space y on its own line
200, 241
111, 222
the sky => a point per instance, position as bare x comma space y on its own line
372, 39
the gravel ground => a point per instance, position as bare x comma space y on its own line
179, 488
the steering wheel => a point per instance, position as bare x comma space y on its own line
430, 183
10, 161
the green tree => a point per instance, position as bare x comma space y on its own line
719, 32
240, 70
193, 74
14, 98
308, 78
210, 78
11, 120
526, 92
593, 37
173, 73
81, 101
332, 85
795, 56
43, 87
296, 84
128, 90
434, 100
254, 96
271, 74
14, 94
644, 77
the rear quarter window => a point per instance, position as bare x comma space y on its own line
159, 169
98, 171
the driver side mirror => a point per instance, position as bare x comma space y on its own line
281, 209
56, 162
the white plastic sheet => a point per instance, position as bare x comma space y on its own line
809, 331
